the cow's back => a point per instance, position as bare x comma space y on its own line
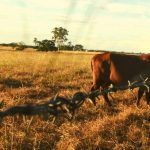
126, 67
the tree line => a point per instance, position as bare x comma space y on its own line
59, 41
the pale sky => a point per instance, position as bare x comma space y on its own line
120, 25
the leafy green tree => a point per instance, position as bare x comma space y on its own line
46, 45
78, 47
59, 36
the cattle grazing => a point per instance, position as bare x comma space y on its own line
117, 69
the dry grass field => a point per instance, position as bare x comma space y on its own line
33, 77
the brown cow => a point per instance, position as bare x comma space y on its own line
145, 57
117, 69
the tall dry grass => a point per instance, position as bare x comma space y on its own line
31, 77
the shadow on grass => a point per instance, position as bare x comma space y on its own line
46, 142
93, 113
88, 115
13, 83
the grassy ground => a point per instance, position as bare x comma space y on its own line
31, 77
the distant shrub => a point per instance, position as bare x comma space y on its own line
66, 47
13, 45
78, 47
20, 46
46, 45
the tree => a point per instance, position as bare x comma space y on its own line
46, 45
13, 45
59, 36
20, 46
78, 47
35, 41
67, 46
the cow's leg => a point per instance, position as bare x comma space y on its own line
107, 99
148, 97
140, 94
96, 77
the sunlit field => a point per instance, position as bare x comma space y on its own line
35, 77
